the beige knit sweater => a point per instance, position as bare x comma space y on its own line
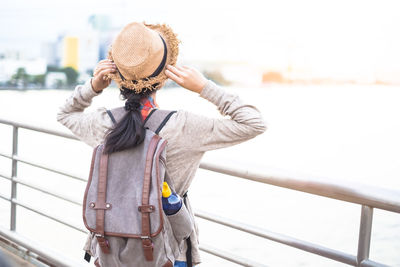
189, 135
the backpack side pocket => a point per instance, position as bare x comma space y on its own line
181, 223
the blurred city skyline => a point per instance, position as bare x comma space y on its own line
353, 41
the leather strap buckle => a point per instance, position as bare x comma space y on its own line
103, 243
147, 208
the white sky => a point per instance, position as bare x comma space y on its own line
319, 38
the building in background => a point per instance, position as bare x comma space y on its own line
52, 51
81, 50
71, 52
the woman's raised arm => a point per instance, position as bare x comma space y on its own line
90, 127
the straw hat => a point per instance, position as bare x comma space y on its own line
141, 53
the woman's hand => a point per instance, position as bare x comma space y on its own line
186, 77
99, 81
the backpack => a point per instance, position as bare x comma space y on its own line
123, 197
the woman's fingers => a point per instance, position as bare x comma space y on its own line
100, 81
102, 67
180, 68
110, 64
105, 62
106, 71
173, 76
186, 77
175, 71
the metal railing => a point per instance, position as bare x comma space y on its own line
368, 197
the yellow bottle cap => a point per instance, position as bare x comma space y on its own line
166, 191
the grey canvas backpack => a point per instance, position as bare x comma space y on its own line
123, 197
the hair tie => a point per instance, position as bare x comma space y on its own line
132, 105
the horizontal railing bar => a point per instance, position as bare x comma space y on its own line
44, 167
5, 176
45, 214
47, 253
357, 193
5, 198
280, 238
46, 191
42, 189
230, 257
5, 155
370, 263
38, 129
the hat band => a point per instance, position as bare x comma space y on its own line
159, 68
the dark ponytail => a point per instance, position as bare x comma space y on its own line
129, 131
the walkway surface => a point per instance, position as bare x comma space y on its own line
14, 260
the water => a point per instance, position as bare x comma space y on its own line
346, 132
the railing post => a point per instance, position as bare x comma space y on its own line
364, 238
13, 212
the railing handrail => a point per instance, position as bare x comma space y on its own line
353, 192
38, 129
381, 198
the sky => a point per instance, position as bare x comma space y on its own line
355, 39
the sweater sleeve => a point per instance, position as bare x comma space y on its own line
202, 134
90, 127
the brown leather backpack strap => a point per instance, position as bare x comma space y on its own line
101, 202
146, 231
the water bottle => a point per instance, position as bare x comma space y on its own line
171, 202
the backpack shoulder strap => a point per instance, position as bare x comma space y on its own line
157, 119
116, 114
111, 116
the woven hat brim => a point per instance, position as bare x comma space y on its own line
156, 82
